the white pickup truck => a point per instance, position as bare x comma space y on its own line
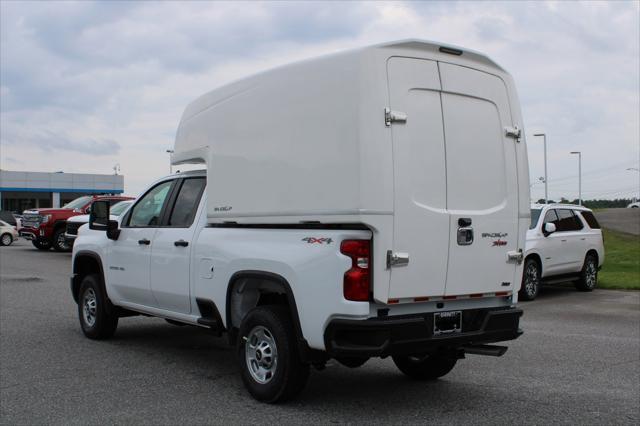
371, 203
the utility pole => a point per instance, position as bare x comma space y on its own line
170, 151
579, 176
546, 179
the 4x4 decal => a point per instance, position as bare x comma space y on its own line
314, 240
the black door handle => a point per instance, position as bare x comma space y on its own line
181, 243
144, 241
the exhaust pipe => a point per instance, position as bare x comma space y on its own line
488, 350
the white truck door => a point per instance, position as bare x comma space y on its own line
482, 181
130, 255
171, 250
421, 222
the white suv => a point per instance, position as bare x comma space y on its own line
564, 243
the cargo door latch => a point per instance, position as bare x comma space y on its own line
397, 259
394, 117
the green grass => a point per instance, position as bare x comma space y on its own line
621, 267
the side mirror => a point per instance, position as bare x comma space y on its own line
99, 216
99, 220
549, 228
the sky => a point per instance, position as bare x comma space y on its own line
85, 86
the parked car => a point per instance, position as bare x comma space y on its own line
75, 222
325, 226
634, 205
564, 243
46, 227
8, 233
8, 217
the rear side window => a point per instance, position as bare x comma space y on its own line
184, 209
590, 219
567, 221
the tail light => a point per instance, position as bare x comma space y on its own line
357, 280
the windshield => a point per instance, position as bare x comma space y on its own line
535, 215
119, 208
78, 203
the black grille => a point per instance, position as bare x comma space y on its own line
72, 227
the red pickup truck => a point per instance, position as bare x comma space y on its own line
46, 227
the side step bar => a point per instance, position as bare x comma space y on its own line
489, 350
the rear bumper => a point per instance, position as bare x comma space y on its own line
413, 334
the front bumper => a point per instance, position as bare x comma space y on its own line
412, 334
29, 235
70, 238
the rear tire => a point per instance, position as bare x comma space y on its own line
6, 240
41, 244
268, 355
424, 366
530, 286
97, 320
60, 242
589, 275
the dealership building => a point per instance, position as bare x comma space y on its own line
24, 190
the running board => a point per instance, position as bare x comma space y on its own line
489, 350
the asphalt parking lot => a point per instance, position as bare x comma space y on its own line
578, 362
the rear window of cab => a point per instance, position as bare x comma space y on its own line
590, 219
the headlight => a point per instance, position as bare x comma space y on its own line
46, 218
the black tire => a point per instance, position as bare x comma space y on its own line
589, 274
97, 320
352, 362
59, 241
424, 366
265, 331
41, 244
530, 286
6, 239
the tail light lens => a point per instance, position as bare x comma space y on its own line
357, 280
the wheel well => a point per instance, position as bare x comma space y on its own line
536, 257
595, 253
255, 288
83, 265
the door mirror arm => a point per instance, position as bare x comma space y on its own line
113, 231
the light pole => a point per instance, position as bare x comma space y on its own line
634, 169
579, 175
546, 187
169, 151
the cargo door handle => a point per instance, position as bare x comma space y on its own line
144, 242
465, 236
181, 243
397, 259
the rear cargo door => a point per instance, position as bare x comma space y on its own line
421, 222
482, 181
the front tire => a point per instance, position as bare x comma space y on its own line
41, 244
268, 355
60, 242
589, 275
424, 366
97, 320
530, 286
6, 240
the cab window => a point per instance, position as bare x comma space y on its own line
568, 221
551, 217
146, 212
186, 203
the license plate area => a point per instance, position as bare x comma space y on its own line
447, 322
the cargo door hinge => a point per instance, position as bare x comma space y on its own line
515, 256
513, 132
394, 117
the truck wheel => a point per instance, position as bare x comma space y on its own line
530, 280
6, 240
589, 275
270, 363
59, 241
424, 366
95, 319
41, 245
352, 362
